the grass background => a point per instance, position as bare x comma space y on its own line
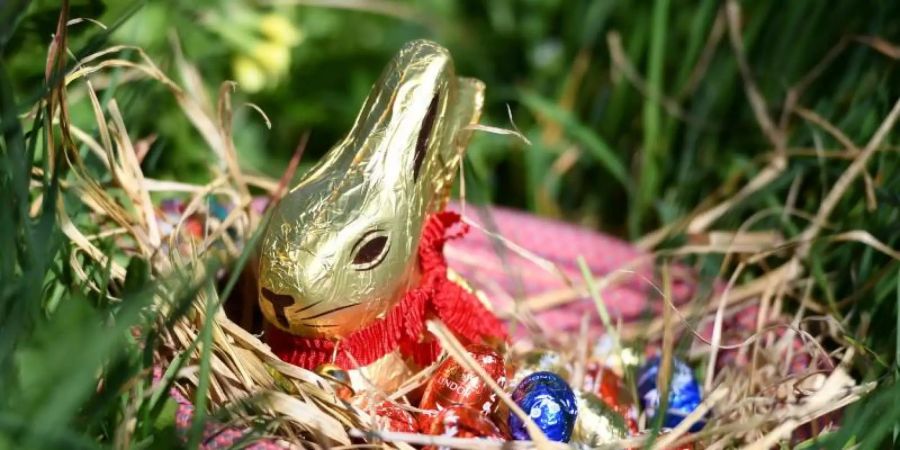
637, 112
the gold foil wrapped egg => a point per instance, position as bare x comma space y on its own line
338, 378
597, 424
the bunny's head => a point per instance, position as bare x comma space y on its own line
341, 247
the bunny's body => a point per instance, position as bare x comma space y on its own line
341, 249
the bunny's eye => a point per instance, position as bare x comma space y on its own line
370, 250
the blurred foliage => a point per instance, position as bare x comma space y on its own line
606, 151
547, 60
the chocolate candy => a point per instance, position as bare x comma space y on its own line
453, 385
607, 385
500, 417
549, 402
338, 378
390, 416
684, 393
425, 418
597, 423
603, 382
463, 422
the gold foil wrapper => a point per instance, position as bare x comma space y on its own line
338, 378
341, 247
597, 424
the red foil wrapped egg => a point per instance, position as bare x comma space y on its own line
500, 417
464, 422
390, 416
425, 418
453, 385
603, 382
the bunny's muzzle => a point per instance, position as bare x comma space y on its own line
309, 316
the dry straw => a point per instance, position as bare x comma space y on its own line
758, 405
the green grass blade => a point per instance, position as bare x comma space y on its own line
11, 13
653, 143
593, 143
199, 420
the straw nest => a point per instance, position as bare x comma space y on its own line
758, 403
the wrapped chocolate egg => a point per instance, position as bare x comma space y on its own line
453, 385
463, 422
603, 382
390, 416
500, 417
338, 378
539, 361
549, 402
425, 418
597, 423
684, 393
631, 414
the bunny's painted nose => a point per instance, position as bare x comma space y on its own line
279, 303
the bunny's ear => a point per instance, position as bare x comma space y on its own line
424, 138
465, 98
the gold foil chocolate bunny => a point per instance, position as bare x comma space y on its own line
342, 247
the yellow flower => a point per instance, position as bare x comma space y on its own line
248, 74
279, 29
274, 58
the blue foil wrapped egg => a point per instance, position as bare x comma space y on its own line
550, 403
684, 393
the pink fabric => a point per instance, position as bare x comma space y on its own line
477, 257
215, 436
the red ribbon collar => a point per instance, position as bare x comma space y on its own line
404, 326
